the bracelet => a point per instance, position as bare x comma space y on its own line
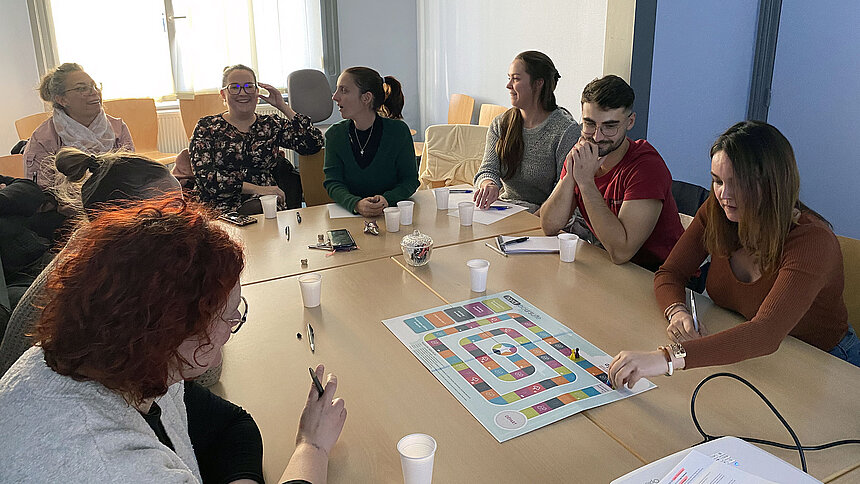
678, 310
668, 357
671, 307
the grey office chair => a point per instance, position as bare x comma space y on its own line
309, 93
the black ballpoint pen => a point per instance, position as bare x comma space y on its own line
317, 383
287, 232
298, 217
515, 241
311, 337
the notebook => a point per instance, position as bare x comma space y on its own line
533, 245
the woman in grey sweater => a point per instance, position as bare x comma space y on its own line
526, 145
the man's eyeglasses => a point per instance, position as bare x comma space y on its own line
589, 128
237, 323
86, 90
235, 87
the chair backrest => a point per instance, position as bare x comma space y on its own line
489, 113
689, 197
311, 172
26, 125
13, 165
310, 94
851, 264
140, 117
192, 110
452, 154
460, 109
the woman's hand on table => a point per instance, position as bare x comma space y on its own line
681, 327
486, 194
628, 367
371, 206
323, 416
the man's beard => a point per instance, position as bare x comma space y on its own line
604, 148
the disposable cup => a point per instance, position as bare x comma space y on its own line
441, 198
311, 285
392, 219
478, 269
270, 205
467, 210
416, 458
567, 244
406, 207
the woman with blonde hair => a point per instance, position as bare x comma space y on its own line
78, 121
773, 260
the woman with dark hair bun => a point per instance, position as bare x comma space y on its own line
526, 145
143, 298
773, 260
369, 156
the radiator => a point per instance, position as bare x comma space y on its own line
171, 133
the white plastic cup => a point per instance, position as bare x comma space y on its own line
567, 244
467, 210
270, 205
478, 269
441, 198
311, 285
392, 219
416, 458
406, 207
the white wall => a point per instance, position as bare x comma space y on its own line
700, 79
815, 104
467, 46
20, 76
382, 34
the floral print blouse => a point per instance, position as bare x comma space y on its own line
222, 157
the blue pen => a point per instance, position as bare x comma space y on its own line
497, 207
459, 191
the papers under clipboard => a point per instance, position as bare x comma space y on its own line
533, 245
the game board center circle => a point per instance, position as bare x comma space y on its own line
510, 420
504, 349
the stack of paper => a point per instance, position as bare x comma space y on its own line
532, 245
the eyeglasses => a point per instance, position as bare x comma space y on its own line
235, 87
589, 128
85, 90
237, 323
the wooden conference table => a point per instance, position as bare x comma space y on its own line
269, 255
389, 393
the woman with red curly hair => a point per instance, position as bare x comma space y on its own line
143, 298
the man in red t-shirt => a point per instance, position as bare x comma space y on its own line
622, 187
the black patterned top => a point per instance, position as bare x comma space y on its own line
222, 157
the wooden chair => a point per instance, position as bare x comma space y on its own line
311, 172
192, 110
460, 109
851, 265
142, 121
489, 113
26, 125
452, 154
13, 165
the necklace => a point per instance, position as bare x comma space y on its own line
358, 143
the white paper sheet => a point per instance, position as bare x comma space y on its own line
336, 211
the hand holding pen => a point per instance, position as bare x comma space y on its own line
684, 324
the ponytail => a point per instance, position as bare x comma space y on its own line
510, 146
392, 107
74, 163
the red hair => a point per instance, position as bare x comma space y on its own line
129, 288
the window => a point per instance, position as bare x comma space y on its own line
168, 48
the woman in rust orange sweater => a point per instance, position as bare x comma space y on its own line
773, 260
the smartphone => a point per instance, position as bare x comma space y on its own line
316, 382
340, 239
237, 219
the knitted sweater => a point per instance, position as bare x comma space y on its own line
393, 172
57, 429
545, 147
802, 298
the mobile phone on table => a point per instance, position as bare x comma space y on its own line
341, 239
238, 219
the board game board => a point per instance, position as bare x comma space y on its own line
511, 365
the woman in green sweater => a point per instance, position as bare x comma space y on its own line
369, 156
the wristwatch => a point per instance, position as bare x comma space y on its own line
678, 350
